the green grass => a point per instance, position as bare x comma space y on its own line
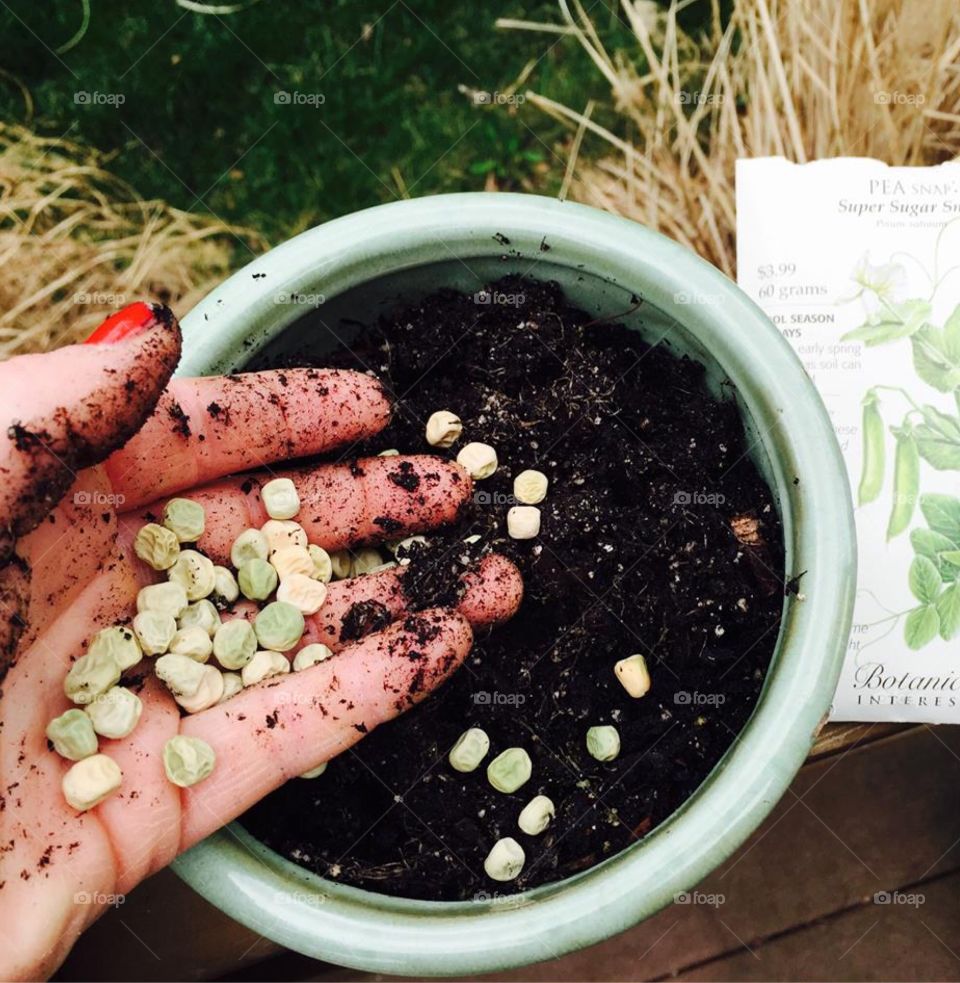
200, 126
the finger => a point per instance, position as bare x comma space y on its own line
342, 505
68, 409
207, 428
275, 731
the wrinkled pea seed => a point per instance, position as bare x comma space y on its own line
510, 769
310, 655
251, 544
195, 573
443, 429
194, 642
365, 561
390, 452
304, 593
479, 460
264, 665
633, 675
280, 498
169, 598
119, 642
603, 742
322, 566
279, 626
536, 815
181, 674
292, 559
315, 772
90, 781
505, 861
340, 563
157, 546
530, 487
154, 631
187, 760
114, 714
208, 693
257, 580
185, 519
523, 522
283, 532
91, 675
232, 684
234, 643
471, 748
200, 614
225, 584
72, 735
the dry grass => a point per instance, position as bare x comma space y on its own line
804, 79
77, 243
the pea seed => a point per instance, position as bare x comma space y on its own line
283, 532
91, 675
479, 460
471, 748
443, 429
530, 487
322, 565
181, 674
232, 684
185, 519
340, 563
304, 593
280, 498
315, 772
72, 735
509, 770
90, 781
279, 626
208, 693
119, 642
536, 815
523, 522
292, 559
390, 452
234, 644
187, 760
154, 631
115, 714
264, 665
409, 548
251, 544
200, 614
225, 584
633, 675
257, 580
194, 572
194, 642
365, 561
169, 598
310, 655
505, 861
603, 742
157, 546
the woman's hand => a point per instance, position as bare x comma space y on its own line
90, 436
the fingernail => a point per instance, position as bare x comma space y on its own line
133, 319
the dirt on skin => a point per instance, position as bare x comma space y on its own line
658, 537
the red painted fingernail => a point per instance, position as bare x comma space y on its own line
124, 324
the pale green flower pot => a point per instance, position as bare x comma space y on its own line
361, 265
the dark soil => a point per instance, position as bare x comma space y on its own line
659, 536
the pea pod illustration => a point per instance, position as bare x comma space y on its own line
906, 481
874, 450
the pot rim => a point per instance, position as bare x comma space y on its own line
368, 931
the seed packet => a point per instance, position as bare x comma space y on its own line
858, 265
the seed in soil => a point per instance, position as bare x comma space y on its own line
90, 781
265, 664
603, 742
234, 643
509, 770
257, 579
523, 522
478, 459
188, 760
72, 735
116, 713
505, 861
471, 748
536, 815
185, 519
633, 675
280, 498
443, 429
530, 487
157, 546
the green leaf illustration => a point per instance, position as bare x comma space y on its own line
925, 582
930, 544
942, 513
898, 321
934, 362
921, 626
951, 336
948, 611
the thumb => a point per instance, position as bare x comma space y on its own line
68, 409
